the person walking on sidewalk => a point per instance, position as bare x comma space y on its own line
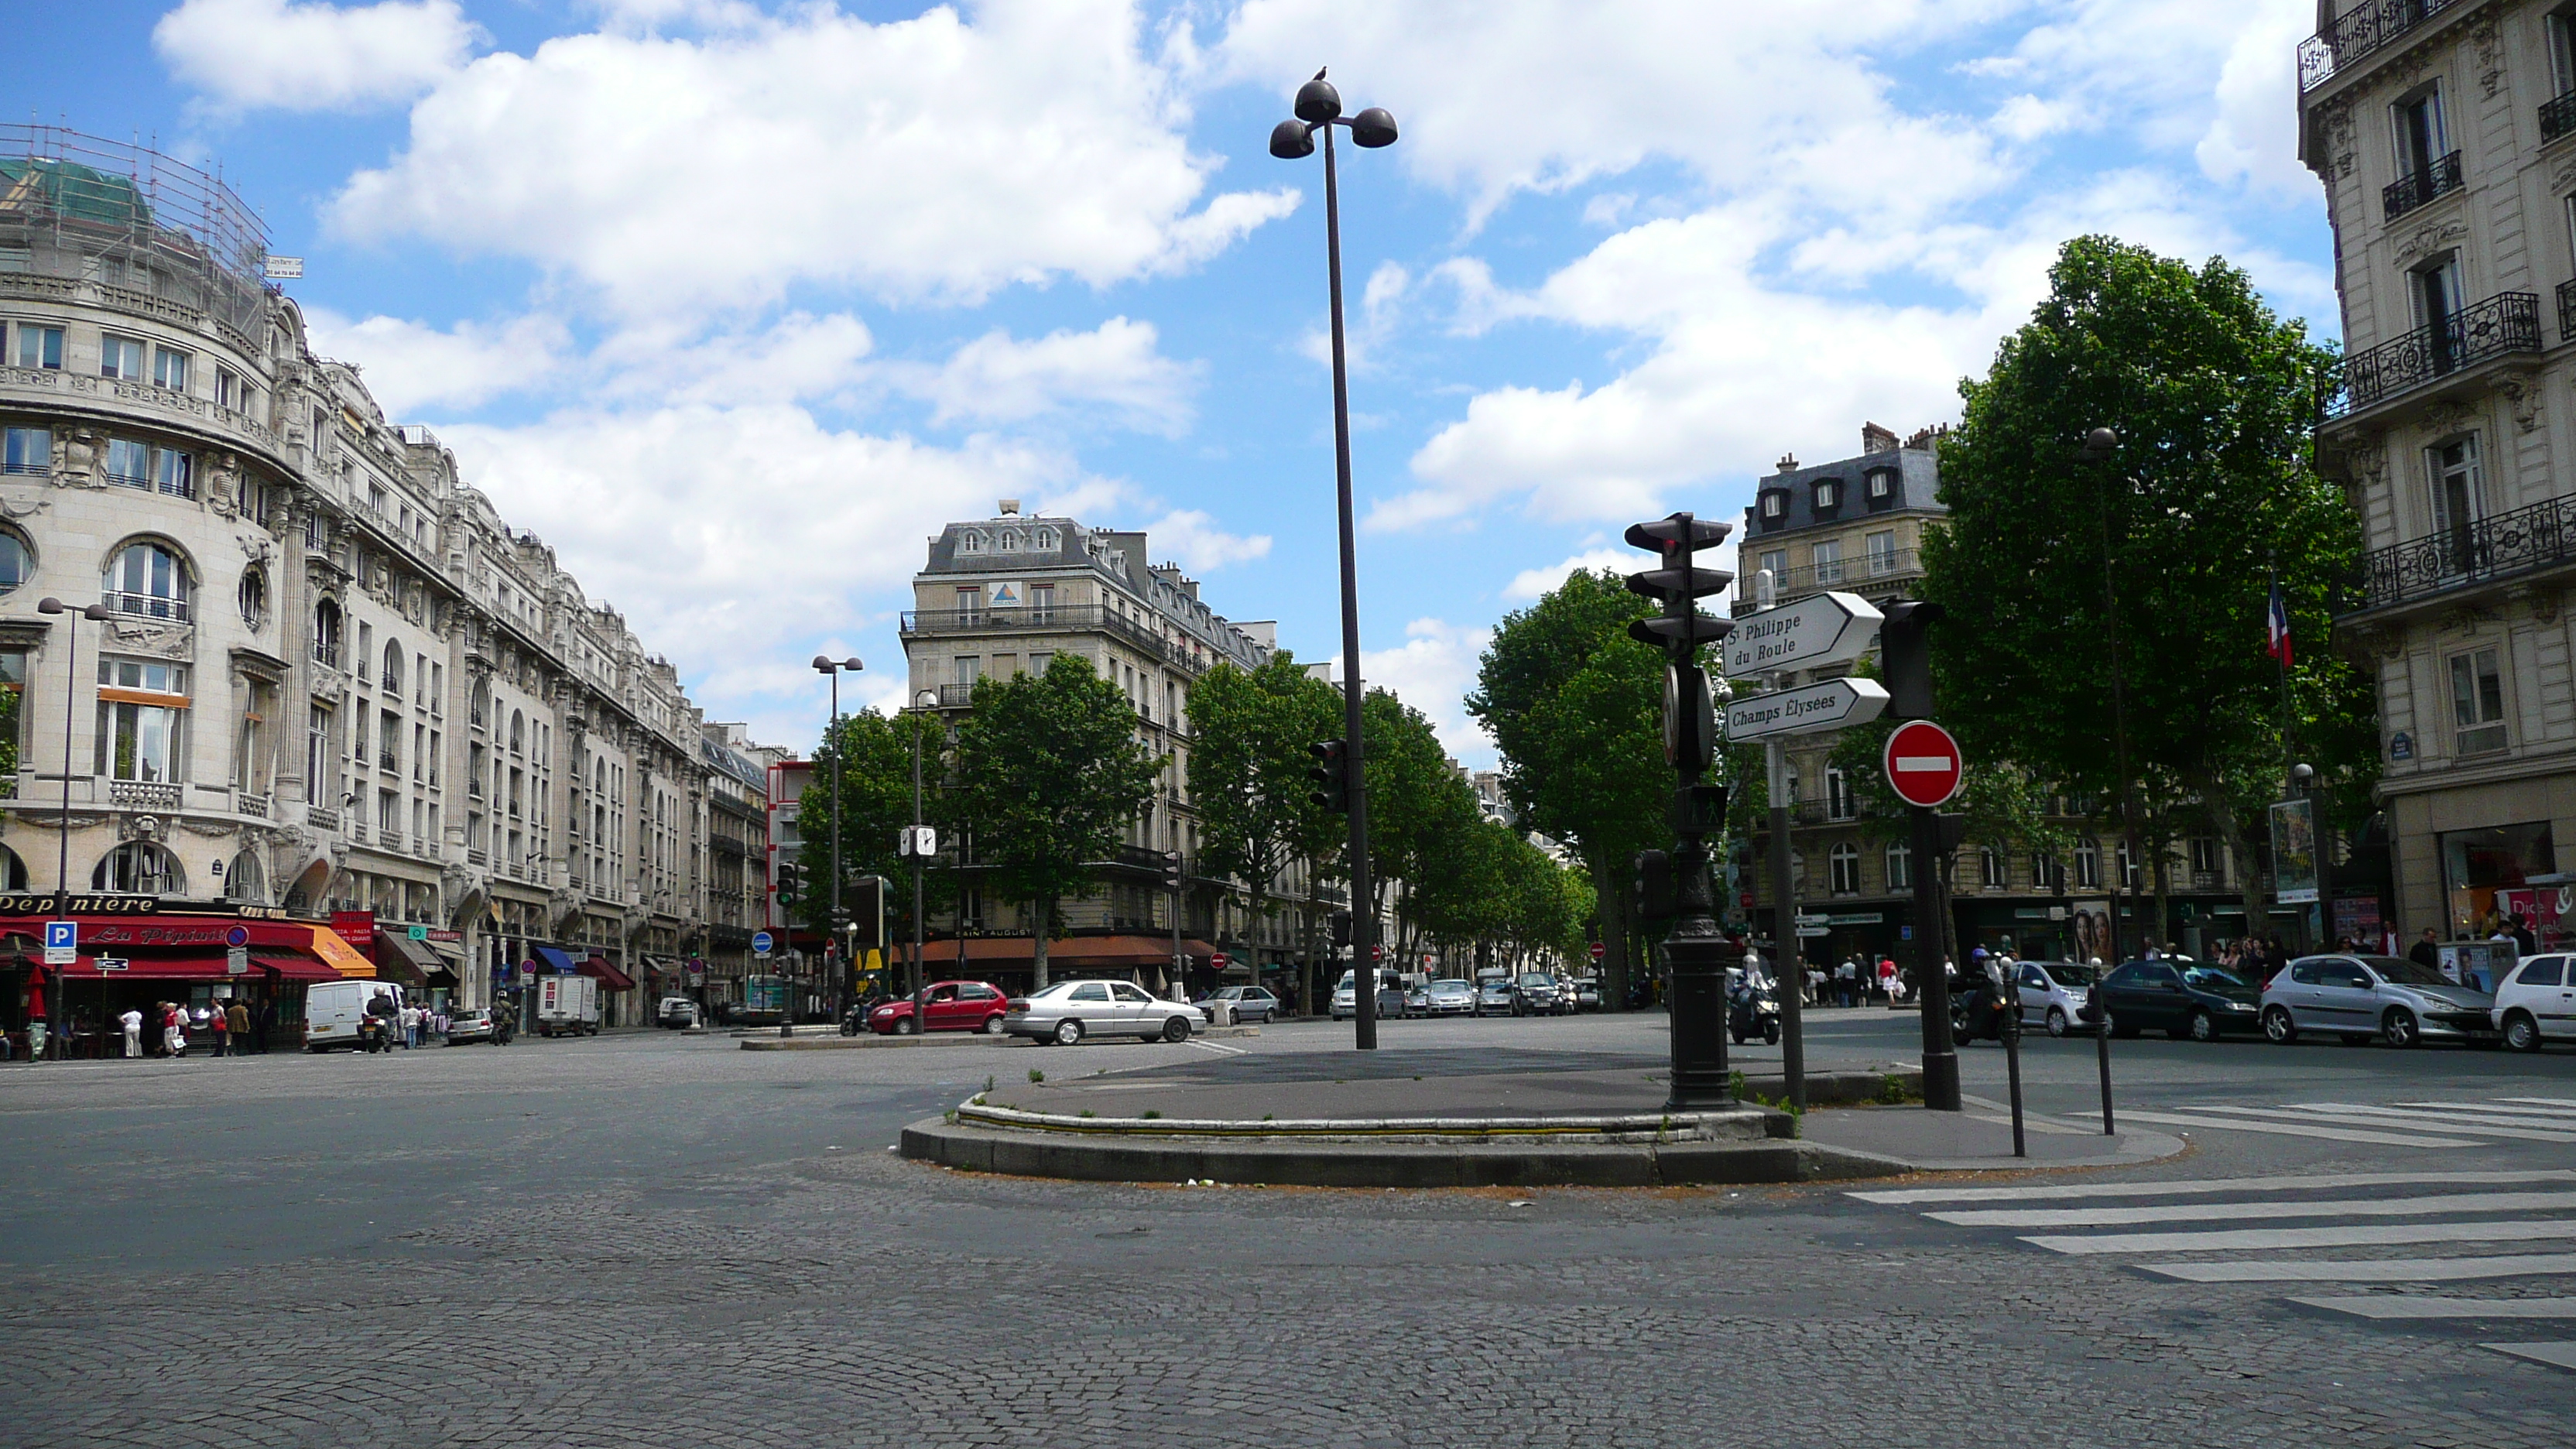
132, 1021
220, 1025
174, 1038
237, 1016
1887, 980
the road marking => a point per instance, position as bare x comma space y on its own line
2243, 1240
1216, 1048
2467, 1202
2422, 1306
2464, 1114
2285, 1129
2558, 1104
2393, 1117
2556, 1355
2367, 1270
2306, 1183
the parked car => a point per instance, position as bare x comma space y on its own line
468, 1025
1587, 993
1495, 997
953, 1006
1068, 1011
1541, 996
2053, 995
1251, 1003
1451, 998
1391, 1004
2361, 997
2182, 997
1417, 1000
676, 1012
2537, 1003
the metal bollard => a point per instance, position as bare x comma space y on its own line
2102, 1049
2012, 1062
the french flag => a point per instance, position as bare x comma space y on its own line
2277, 629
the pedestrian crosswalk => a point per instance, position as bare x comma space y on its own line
2430, 1125
2471, 1248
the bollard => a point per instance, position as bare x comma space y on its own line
2012, 1061
2102, 1049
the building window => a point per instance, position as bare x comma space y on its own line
174, 473
253, 761
969, 541
2128, 869
970, 606
142, 719
40, 347
1039, 659
1900, 867
970, 668
170, 368
1775, 506
2208, 856
2458, 502
120, 357
13, 561
1777, 561
1882, 485
1041, 603
1829, 562
1829, 493
230, 391
2422, 137
1045, 539
2436, 292
148, 579
2477, 702
253, 596
2088, 865
1839, 801
1882, 553
28, 450
1993, 870
393, 676
2045, 873
1843, 865
326, 633
139, 867
129, 463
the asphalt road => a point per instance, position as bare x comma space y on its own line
650, 1239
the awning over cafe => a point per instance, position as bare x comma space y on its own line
607, 973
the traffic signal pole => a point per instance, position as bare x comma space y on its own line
1931, 976
1791, 987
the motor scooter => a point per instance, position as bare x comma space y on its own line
1753, 1012
374, 1034
1979, 1007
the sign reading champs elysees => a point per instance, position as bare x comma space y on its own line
1829, 705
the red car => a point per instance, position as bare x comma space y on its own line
954, 1006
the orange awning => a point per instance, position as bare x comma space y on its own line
338, 954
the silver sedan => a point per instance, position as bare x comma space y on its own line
1068, 1011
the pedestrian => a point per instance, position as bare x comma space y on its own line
1843, 975
220, 1026
36, 1022
2525, 942
1887, 980
237, 1016
174, 1038
410, 1027
132, 1021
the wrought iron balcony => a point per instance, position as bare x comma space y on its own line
2415, 188
1176, 646
2359, 32
2507, 322
2524, 541
956, 696
2567, 311
1864, 573
2557, 117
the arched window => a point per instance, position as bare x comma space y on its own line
150, 580
1839, 803
518, 732
13, 869
970, 541
14, 565
1994, 871
1900, 867
1844, 864
326, 633
393, 666
245, 879
478, 704
1045, 538
1010, 541
139, 867
253, 596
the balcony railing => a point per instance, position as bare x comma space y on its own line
1856, 573
149, 606
143, 794
2415, 188
255, 806
2558, 117
956, 696
326, 653
2524, 541
321, 817
2505, 323
1178, 648
2567, 311
2359, 32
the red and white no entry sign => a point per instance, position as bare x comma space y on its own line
1597, 950
1923, 763
1217, 960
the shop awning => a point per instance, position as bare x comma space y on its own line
296, 968
554, 960
411, 962
200, 968
337, 953
607, 973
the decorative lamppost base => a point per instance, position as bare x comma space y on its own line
1698, 1000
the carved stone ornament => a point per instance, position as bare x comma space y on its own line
151, 636
16, 503
76, 459
2464, 618
2563, 179
2367, 461
2430, 238
2521, 391
2546, 600
2483, 34
2449, 415
223, 484
256, 546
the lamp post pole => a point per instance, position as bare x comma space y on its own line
921, 702
831, 736
96, 614
1319, 108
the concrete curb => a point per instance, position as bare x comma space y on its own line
1738, 1124
772, 1042
1384, 1164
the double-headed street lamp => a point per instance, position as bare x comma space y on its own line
1319, 108
96, 614
835, 668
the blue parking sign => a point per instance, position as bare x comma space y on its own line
62, 942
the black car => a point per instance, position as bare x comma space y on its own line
2185, 998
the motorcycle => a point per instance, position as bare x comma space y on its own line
375, 1034
1751, 1013
1978, 1008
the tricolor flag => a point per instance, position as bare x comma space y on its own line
2277, 629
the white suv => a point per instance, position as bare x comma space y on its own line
2537, 1003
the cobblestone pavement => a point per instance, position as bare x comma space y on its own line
645, 1241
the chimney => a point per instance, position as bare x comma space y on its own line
1875, 439
1010, 507
1788, 463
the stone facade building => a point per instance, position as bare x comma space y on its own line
2441, 133
334, 678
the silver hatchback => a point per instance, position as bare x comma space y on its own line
2361, 997
1068, 1011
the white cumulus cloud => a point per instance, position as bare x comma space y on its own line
1113, 368
1192, 536
411, 365
273, 54
1432, 670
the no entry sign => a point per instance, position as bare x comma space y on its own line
1923, 763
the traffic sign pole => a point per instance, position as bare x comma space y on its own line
1791, 986
1924, 767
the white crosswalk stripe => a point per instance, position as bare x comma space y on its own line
2427, 1126
2500, 1236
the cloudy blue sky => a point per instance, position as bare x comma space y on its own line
735, 303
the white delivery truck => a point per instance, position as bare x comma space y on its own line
333, 1010
567, 1006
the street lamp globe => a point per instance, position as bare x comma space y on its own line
927, 699
1318, 102
2101, 443
822, 665
1373, 128
1292, 140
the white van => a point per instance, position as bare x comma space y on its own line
332, 1010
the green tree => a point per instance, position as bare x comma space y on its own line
1049, 773
1575, 708
1250, 733
1419, 809
875, 757
2213, 483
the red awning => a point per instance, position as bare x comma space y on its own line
607, 973
152, 968
297, 968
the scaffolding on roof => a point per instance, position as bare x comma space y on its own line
124, 216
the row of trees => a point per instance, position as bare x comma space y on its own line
2212, 494
1045, 774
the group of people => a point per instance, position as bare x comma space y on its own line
1855, 982
167, 1028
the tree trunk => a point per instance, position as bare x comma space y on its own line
2163, 932
1045, 912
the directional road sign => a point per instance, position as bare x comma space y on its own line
62, 942
1923, 763
1818, 630
1830, 705
761, 941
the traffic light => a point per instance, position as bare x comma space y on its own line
1905, 648
1332, 775
1172, 870
1655, 895
1690, 711
1341, 930
791, 884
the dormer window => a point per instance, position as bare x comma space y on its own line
1882, 485
1045, 538
1010, 542
969, 541
1829, 492
1775, 506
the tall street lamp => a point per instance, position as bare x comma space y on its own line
1319, 108
834, 668
922, 702
96, 614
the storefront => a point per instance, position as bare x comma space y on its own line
1010, 962
2481, 866
133, 955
